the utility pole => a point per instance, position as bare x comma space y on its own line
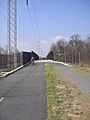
12, 32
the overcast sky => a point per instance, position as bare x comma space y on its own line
46, 20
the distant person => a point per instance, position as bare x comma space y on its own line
32, 60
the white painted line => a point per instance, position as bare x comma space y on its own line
1, 99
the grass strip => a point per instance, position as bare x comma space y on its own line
65, 100
85, 71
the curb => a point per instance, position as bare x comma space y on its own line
15, 70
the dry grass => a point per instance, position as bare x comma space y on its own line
84, 70
65, 101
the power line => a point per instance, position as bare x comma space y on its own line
36, 21
22, 25
20, 21
37, 26
37, 33
30, 18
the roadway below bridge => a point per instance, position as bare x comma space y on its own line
23, 94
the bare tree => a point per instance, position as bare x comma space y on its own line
75, 46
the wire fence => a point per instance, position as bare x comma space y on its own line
22, 59
4, 60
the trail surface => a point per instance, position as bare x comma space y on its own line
81, 81
23, 95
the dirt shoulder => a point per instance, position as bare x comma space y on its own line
65, 100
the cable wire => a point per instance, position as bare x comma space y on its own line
32, 23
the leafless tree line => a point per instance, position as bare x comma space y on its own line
73, 50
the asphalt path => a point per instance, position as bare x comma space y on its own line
23, 94
81, 81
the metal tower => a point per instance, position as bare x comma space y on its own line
12, 32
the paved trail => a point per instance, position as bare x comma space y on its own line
82, 82
23, 95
